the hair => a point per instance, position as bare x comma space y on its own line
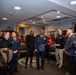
70, 29
60, 29
57, 33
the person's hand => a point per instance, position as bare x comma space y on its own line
63, 49
15, 51
36, 50
43, 45
58, 44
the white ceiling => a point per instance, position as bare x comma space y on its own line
34, 9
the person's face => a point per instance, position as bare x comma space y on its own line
31, 33
6, 36
69, 31
60, 32
14, 34
0, 34
42, 32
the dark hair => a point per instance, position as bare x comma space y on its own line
70, 28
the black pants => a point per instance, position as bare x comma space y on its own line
71, 64
47, 55
29, 54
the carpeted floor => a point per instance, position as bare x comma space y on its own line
50, 69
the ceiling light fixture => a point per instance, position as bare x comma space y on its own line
58, 16
41, 16
73, 2
58, 12
24, 22
4, 18
43, 20
17, 8
33, 22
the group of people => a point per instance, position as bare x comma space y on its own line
10, 42
40, 44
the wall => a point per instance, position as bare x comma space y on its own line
59, 25
4, 25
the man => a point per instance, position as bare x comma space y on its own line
41, 42
30, 42
69, 49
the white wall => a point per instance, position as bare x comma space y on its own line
4, 25
59, 25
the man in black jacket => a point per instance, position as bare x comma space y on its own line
30, 42
69, 49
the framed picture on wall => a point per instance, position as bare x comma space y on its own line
74, 26
51, 33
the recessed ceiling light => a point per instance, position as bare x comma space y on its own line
58, 16
17, 8
24, 22
73, 2
33, 22
43, 20
58, 11
41, 16
4, 18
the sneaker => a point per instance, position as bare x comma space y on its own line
26, 66
42, 68
67, 73
57, 64
17, 71
31, 66
38, 68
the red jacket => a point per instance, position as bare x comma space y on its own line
51, 40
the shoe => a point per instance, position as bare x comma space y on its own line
67, 73
11, 73
26, 66
38, 68
42, 68
16, 71
57, 64
31, 66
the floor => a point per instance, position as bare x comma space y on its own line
50, 69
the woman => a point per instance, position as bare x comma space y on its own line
15, 46
47, 47
5, 45
59, 43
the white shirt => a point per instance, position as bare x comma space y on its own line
70, 35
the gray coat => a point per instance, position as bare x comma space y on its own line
69, 45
